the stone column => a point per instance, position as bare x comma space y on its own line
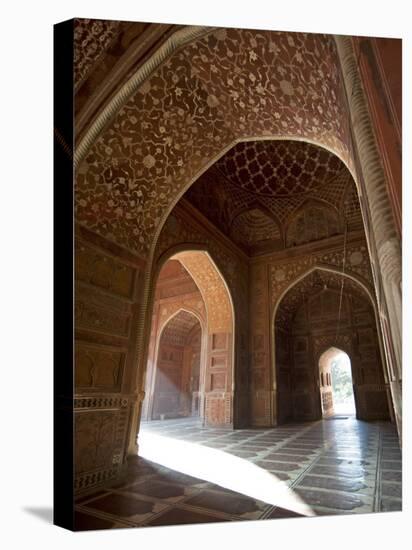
382, 237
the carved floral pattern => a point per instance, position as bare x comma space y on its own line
230, 84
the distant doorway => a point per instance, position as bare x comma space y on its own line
336, 384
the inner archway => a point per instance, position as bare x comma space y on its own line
336, 383
189, 367
314, 315
177, 371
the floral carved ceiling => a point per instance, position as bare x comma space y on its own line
92, 38
275, 194
217, 90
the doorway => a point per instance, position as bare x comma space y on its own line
336, 384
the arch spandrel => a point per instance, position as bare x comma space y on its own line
212, 288
179, 122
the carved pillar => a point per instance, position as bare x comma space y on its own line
382, 237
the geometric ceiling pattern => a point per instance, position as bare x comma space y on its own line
315, 282
279, 168
255, 192
178, 329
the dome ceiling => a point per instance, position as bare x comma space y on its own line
268, 195
279, 168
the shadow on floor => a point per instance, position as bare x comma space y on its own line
43, 513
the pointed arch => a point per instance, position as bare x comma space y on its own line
368, 386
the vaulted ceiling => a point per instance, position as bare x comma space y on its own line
178, 330
316, 282
268, 195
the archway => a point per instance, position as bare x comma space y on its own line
136, 178
311, 317
336, 383
175, 391
190, 286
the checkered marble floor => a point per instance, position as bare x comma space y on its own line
336, 466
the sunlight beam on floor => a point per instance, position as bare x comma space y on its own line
221, 468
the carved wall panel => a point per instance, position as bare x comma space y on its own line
98, 368
284, 271
106, 291
314, 222
218, 378
104, 271
99, 439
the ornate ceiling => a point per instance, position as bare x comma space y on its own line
178, 329
316, 282
219, 89
92, 38
278, 168
267, 195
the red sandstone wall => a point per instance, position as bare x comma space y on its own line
380, 63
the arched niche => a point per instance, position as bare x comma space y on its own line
175, 383
216, 388
312, 316
314, 220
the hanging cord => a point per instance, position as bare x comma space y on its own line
343, 278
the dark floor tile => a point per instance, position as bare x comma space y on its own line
388, 475
81, 499
391, 490
386, 455
216, 444
391, 465
390, 505
87, 522
157, 489
339, 471
121, 505
279, 466
278, 455
242, 453
177, 477
306, 446
326, 499
278, 513
296, 451
333, 484
247, 447
327, 461
227, 503
179, 516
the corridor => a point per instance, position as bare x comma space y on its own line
336, 466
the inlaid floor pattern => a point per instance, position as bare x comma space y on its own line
338, 466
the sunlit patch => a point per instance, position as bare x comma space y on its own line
221, 468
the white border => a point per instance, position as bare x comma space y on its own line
26, 274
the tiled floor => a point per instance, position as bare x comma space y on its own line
336, 466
